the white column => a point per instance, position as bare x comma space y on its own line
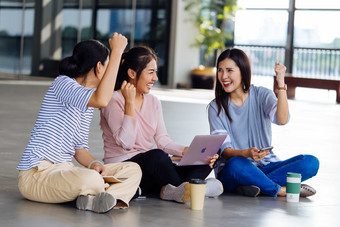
182, 55
50, 36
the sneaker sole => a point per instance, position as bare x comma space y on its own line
101, 203
307, 190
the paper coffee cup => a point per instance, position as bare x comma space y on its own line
197, 193
293, 187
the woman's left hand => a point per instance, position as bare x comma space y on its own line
100, 169
184, 150
280, 71
213, 160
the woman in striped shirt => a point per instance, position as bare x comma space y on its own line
46, 172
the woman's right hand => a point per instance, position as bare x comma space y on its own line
118, 42
256, 154
129, 92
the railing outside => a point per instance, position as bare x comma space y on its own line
263, 58
307, 62
316, 63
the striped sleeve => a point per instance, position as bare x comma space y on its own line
62, 125
67, 90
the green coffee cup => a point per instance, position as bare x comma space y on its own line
293, 187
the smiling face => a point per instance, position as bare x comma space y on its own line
229, 76
147, 78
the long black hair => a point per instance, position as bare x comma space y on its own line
242, 61
137, 58
85, 56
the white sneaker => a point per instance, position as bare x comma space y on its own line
214, 187
100, 203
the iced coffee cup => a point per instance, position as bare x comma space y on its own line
197, 193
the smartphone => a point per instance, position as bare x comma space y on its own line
266, 148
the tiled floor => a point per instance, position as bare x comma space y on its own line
314, 128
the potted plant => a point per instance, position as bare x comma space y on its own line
214, 20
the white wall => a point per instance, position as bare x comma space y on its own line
182, 56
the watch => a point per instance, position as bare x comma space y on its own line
282, 88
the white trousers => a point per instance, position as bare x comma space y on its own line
64, 182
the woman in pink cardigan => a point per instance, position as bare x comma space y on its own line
133, 119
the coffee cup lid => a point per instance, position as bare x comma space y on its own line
294, 175
197, 181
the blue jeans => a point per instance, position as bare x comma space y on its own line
269, 178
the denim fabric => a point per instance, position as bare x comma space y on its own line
269, 178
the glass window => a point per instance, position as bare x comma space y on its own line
263, 3
316, 29
16, 3
152, 29
143, 24
10, 36
10, 21
75, 3
150, 26
115, 3
317, 4
113, 20
70, 28
261, 27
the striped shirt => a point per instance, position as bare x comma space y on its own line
251, 125
62, 125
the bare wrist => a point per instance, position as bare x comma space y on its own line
281, 83
117, 52
129, 103
246, 153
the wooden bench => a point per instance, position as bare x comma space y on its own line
293, 82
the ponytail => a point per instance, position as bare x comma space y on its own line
121, 75
68, 67
85, 57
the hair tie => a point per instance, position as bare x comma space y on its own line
123, 58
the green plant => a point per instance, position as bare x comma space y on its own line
212, 18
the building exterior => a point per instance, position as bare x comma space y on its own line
36, 34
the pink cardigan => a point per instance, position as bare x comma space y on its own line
125, 136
